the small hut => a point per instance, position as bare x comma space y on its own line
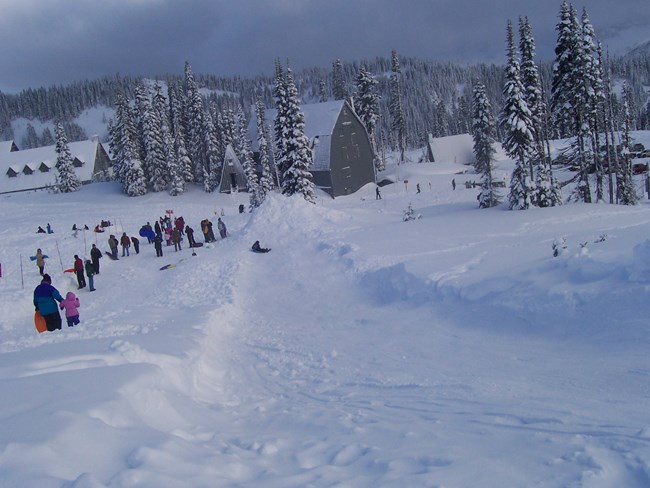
233, 177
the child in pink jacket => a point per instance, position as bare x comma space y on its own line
71, 303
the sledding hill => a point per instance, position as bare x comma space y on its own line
361, 351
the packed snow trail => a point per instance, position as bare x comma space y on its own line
320, 363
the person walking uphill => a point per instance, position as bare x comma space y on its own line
45, 298
79, 271
95, 255
71, 304
40, 261
90, 272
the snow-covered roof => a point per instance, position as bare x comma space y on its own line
320, 119
40, 159
5, 146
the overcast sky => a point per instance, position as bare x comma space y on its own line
46, 42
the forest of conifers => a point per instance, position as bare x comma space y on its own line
436, 96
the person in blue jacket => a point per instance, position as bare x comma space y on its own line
45, 298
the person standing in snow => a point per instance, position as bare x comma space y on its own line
45, 298
90, 272
71, 305
112, 244
136, 244
377, 194
453, 184
79, 271
176, 239
95, 254
157, 243
126, 244
190, 236
222, 228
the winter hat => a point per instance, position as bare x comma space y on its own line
46, 278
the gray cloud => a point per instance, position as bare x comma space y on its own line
60, 41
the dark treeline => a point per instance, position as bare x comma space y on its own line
436, 96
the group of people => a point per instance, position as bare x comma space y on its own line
48, 300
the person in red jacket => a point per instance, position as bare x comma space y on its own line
79, 271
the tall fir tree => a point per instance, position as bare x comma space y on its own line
182, 162
213, 163
127, 165
483, 131
626, 191
268, 177
564, 69
396, 109
66, 178
280, 97
155, 163
160, 109
194, 113
518, 141
547, 192
366, 105
339, 89
296, 153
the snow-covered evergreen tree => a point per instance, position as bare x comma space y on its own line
155, 163
626, 192
268, 177
366, 105
213, 163
296, 155
322, 91
398, 121
194, 125
179, 135
339, 90
159, 106
66, 178
46, 137
547, 193
515, 126
564, 71
483, 130
127, 167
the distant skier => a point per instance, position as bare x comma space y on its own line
453, 184
377, 194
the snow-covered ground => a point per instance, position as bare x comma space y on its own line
362, 351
